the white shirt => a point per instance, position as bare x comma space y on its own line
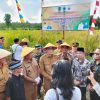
51, 95
97, 88
17, 49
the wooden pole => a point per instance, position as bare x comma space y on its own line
63, 37
41, 18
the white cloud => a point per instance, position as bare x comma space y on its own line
1, 16
63, 2
10, 3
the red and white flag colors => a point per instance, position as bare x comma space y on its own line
95, 16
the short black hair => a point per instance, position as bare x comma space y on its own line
1, 37
16, 40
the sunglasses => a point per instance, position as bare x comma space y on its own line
95, 53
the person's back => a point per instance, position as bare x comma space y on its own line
62, 83
17, 49
52, 95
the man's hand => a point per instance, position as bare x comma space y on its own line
76, 82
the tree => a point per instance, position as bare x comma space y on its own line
98, 23
7, 20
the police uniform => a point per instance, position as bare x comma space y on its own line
46, 67
4, 75
96, 69
30, 69
79, 70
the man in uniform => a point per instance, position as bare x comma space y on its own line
65, 48
4, 72
31, 73
80, 67
73, 52
45, 64
37, 54
58, 50
95, 68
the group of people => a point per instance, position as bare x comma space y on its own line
63, 72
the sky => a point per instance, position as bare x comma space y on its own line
31, 9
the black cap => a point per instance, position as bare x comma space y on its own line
81, 49
59, 41
1, 37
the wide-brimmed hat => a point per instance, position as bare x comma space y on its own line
25, 40
49, 45
26, 51
65, 44
4, 53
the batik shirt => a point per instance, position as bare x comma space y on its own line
79, 70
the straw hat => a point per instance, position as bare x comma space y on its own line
4, 53
65, 44
25, 40
26, 51
49, 45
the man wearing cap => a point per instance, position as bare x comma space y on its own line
80, 66
95, 68
65, 52
58, 50
37, 54
31, 73
4, 72
75, 45
59, 42
15, 84
45, 64
1, 42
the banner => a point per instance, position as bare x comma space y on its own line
69, 17
47, 3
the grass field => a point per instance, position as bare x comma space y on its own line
35, 36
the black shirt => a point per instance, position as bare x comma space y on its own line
15, 88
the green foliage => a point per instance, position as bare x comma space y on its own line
7, 19
36, 36
21, 26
